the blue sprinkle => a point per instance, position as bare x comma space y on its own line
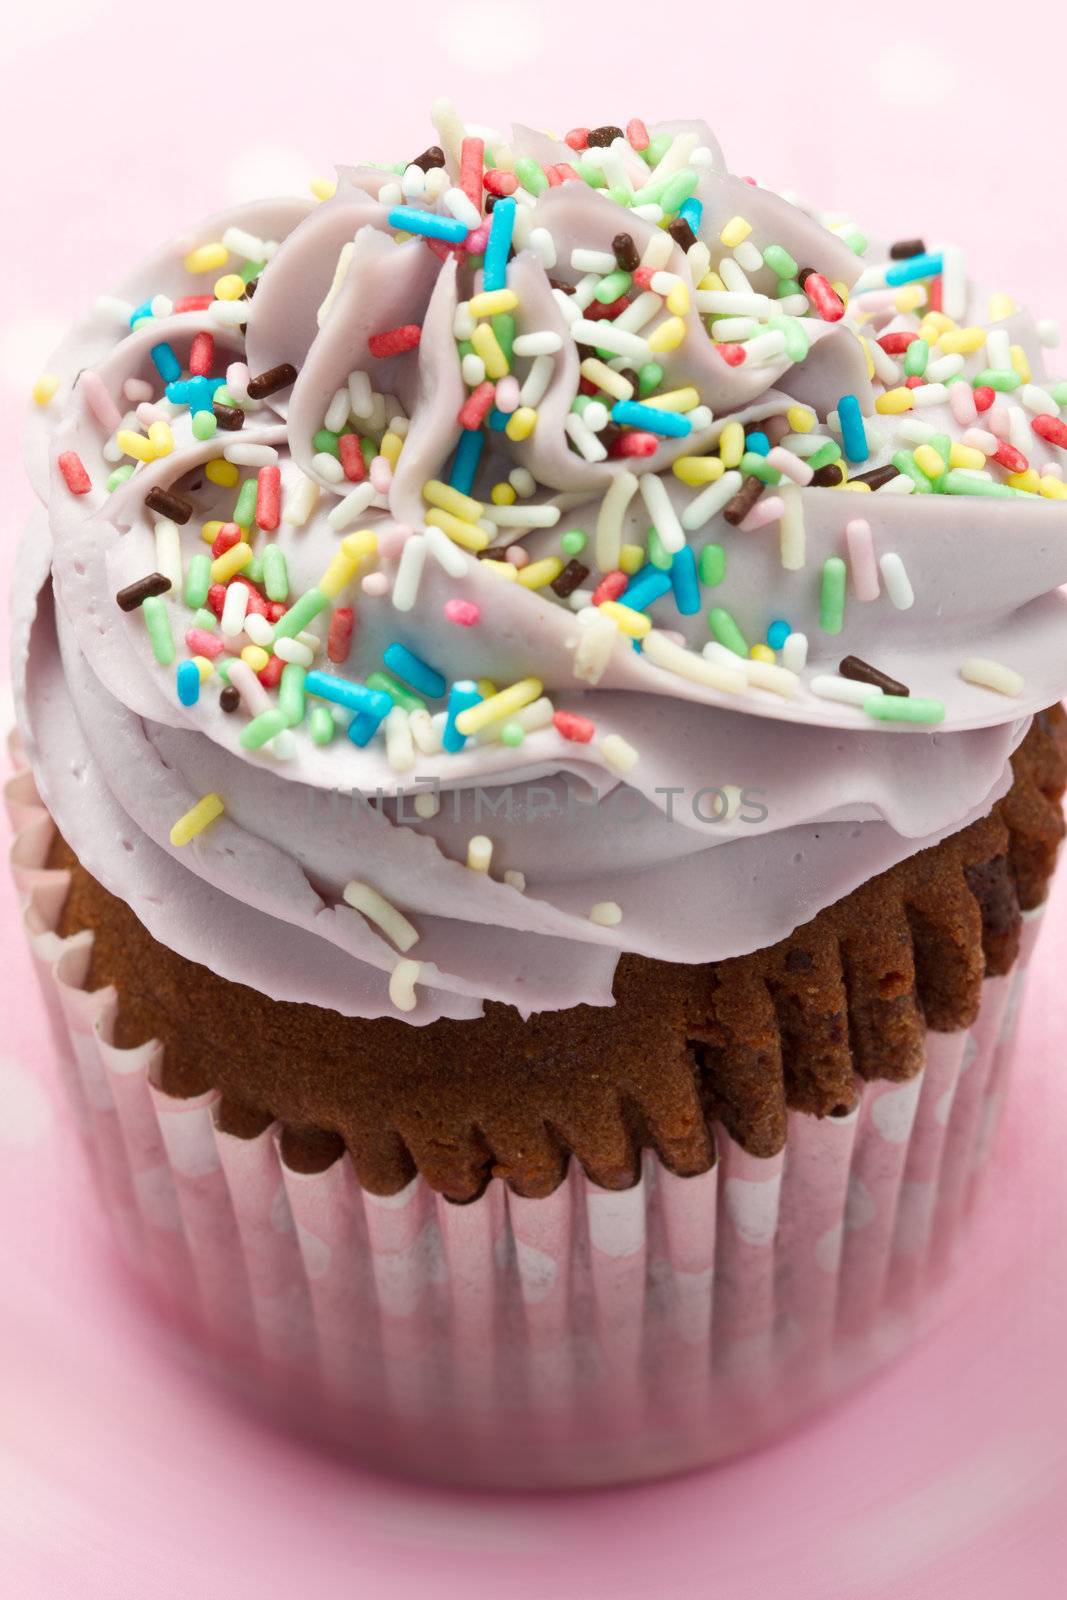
495, 265
141, 314
650, 584
343, 692
406, 219
498, 420
188, 681
465, 463
924, 266
196, 393
758, 443
167, 363
421, 676
668, 424
684, 581
692, 211
853, 433
778, 633
462, 696
365, 724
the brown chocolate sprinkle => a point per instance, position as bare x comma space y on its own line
863, 672
229, 699
135, 594
228, 417
626, 252
271, 381
602, 137
876, 477
829, 477
433, 157
682, 233
737, 509
250, 288
571, 578
904, 249
804, 274
168, 505
557, 283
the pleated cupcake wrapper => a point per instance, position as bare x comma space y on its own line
590, 1336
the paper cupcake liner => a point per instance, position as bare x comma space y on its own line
587, 1337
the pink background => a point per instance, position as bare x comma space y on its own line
118, 1475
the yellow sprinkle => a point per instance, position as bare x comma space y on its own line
503, 494
678, 299
229, 287
222, 472
209, 532
323, 188
674, 400
1053, 488
854, 484
487, 345
205, 667
612, 383
800, 419
711, 280
500, 569
445, 498
933, 324
698, 470
762, 652
196, 819
254, 656
161, 438
1029, 481
466, 534
910, 297
626, 619
894, 401
733, 233
485, 686
521, 423
961, 341
1001, 306
536, 574
1020, 363
492, 301
479, 853
135, 444
207, 258
497, 706
841, 291
929, 461
232, 560
631, 559
340, 571
45, 388
732, 444
962, 455
391, 446
868, 358
668, 336
360, 546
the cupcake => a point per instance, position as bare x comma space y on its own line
540, 764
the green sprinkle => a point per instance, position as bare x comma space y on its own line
711, 565
1059, 393
291, 693
671, 192
464, 348
657, 555
512, 734
503, 325
580, 403
786, 287
251, 269
903, 708
757, 466
275, 573
621, 196
915, 358
904, 462
726, 631
832, 600
531, 175
119, 475
245, 510
796, 340
369, 451
960, 481
942, 444
222, 668
573, 542
300, 613
198, 581
264, 727
325, 442
321, 725
592, 174
825, 455
1002, 382
398, 692
856, 241
204, 425
157, 621
657, 148
649, 378
780, 261
611, 286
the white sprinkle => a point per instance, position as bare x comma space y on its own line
953, 283
606, 914
769, 675
413, 182
663, 652
792, 540
463, 323
583, 438
260, 631
352, 507
408, 573
596, 416
427, 804
608, 540
992, 675
606, 336
230, 313
522, 481
585, 290
427, 736
399, 748
328, 467
704, 506
360, 394
795, 652
567, 311
766, 346
847, 691
362, 898
594, 645
945, 367
473, 369
545, 343
733, 277
897, 583
522, 516
1048, 333
657, 251
638, 313
724, 302
998, 349
747, 256
246, 454
537, 381
1038, 400
929, 394
462, 208
515, 880
445, 553
337, 411
169, 551
402, 983
285, 649
479, 853
542, 242
302, 502
234, 607
885, 368
241, 243
664, 517
618, 752
599, 262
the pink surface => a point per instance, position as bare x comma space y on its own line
119, 1474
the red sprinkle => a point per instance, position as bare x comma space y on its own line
202, 355
228, 535
394, 341
933, 294
1054, 429
348, 448
499, 182
272, 672
732, 354
339, 638
194, 302
256, 601
637, 134
914, 382
202, 643
216, 598
572, 726
567, 174
269, 498
643, 276
634, 444
984, 397
471, 162
610, 587
895, 344
1006, 455
587, 386
276, 610
477, 406
554, 179
75, 476
465, 612
824, 297
600, 313
578, 138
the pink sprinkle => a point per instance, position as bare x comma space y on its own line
790, 465
376, 585
477, 239
610, 587
136, 389
202, 643
507, 395
643, 276
381, 474
471, 165
961, 403
339, 638
393, 540
578, 138
767, 509
572, 726
637, 134
516, 555
348, 448
465, 612
636, 443
862, 563
998, 421
202, 355
147, 414
100, 403
75, 476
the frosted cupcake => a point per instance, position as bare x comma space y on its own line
534, 673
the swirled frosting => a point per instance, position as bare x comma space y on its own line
559, 446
